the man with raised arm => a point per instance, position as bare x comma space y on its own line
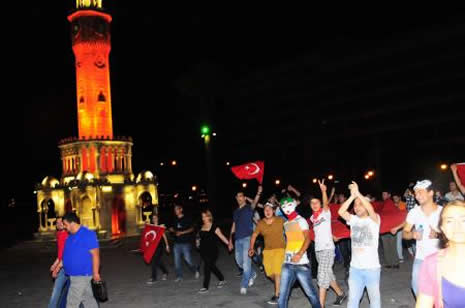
324, 247
242, 227
459, 183
365, 268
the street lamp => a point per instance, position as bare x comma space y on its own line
194, 188
330, 177
444, 167
371, 173
162, 164
205, 130
277, 182
244, 185
174, 163
315, 180
367, 177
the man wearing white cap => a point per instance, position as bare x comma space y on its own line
424, 219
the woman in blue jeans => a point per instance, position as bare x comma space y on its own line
365, 268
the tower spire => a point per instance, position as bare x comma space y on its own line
90, 28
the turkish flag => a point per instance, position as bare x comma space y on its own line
253, 170
390, 216
461, 172
149, 240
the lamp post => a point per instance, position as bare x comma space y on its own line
205, 130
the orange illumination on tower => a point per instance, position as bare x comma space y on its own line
91, 46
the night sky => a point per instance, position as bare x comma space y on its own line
310, 91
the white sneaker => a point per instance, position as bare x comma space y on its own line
252, 279
221, 284
151, 281
179, 279
197, 274
203, 290
164, 277
243, 291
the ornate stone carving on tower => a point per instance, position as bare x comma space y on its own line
97, 181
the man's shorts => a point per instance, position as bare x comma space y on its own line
273, 260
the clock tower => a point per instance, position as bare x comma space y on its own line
97, 182
90, 34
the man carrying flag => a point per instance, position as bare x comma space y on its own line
242, 225
151, 249
458, 171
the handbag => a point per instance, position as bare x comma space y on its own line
99, 288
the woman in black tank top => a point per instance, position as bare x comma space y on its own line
208, 244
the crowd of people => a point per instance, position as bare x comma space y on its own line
289, 246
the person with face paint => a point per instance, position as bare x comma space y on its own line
365, 268
324, 247
271, 228
296, 263
422, 226
442, 274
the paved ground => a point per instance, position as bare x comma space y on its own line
24, 281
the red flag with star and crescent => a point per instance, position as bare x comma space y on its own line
252, 170
149, 240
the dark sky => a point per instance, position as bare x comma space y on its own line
310, 91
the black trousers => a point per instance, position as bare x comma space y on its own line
209, 266
344, 247
157, 262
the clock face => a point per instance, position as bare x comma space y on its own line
99, 62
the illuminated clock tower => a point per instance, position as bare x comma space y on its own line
90, 28
97, 182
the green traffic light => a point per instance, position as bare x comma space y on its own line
205, 130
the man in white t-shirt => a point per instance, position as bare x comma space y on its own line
422, 226
324, 247
454, 193
365, 269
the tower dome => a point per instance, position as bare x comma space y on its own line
85, 176
50, 182
145, 175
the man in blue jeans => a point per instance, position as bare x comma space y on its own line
296, 264
57, 267
183, 231
365, 268
422, 226
242, 227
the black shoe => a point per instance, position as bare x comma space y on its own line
273, 300
340, 299
388, 266
396, 266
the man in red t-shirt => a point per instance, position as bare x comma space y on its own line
57, 267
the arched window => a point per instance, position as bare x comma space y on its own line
101, 97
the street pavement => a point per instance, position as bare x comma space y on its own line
25, 281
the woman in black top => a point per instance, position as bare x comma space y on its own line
208, 245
